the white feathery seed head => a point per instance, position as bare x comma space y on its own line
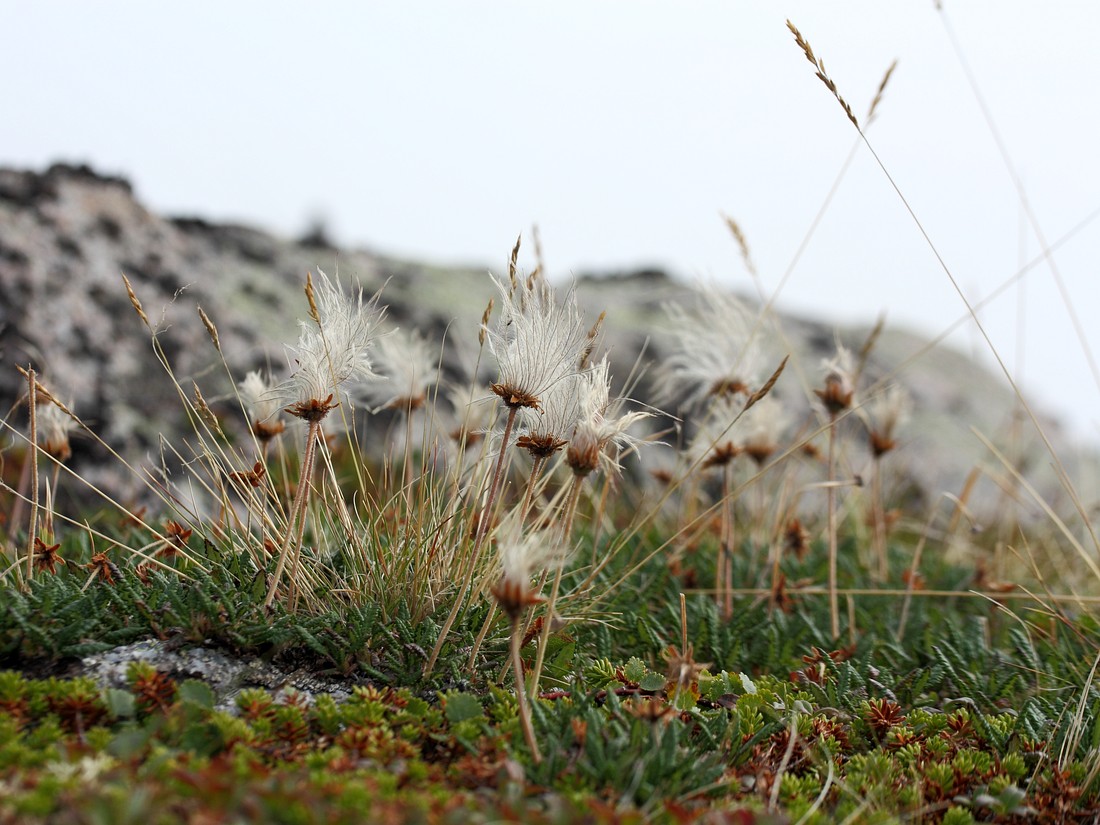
256, 394
761, 427
522, 556
536, 341
883, 415
406, 367
600, 431
332, 352
717, 441
836, 396
713, 354
263, 408
54, 426
543, 431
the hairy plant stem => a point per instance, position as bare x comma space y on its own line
566, 534
878, 519
536, 471
521, 691
32, 532
479, 537
834, 605
726, 550
295, 526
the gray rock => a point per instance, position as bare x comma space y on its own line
226, 676
68, 233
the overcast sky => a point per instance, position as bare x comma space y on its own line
440, 130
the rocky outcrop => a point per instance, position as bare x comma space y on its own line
68, 234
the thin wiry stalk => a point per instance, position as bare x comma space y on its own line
834, 606
296, 520
726, 548
32, 532
521, 693
536, 471
566, 535
479, 538
878, 520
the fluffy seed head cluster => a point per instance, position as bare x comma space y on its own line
407, 367
537, 342
332, 352
714, 354
263, 409
836, 395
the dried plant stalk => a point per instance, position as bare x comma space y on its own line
32, 532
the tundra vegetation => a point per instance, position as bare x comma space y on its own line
545, 601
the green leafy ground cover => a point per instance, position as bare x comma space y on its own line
975, 714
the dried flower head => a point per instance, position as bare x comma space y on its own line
263, 408
713, 355
682, 667
600, 432
762, 426
46, 556
883, 415
836, 395
175, 540
331, 352
715, 443
536, 341
521, 558
54, 426
407, 366
549, 427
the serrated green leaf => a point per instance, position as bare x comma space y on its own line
197, 693
651, 681
634, 670
460, 706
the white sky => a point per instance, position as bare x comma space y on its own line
440, 130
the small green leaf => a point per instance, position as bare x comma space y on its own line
129, 743
120, 703
460, 706
196, 692
651, 681
634, 670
